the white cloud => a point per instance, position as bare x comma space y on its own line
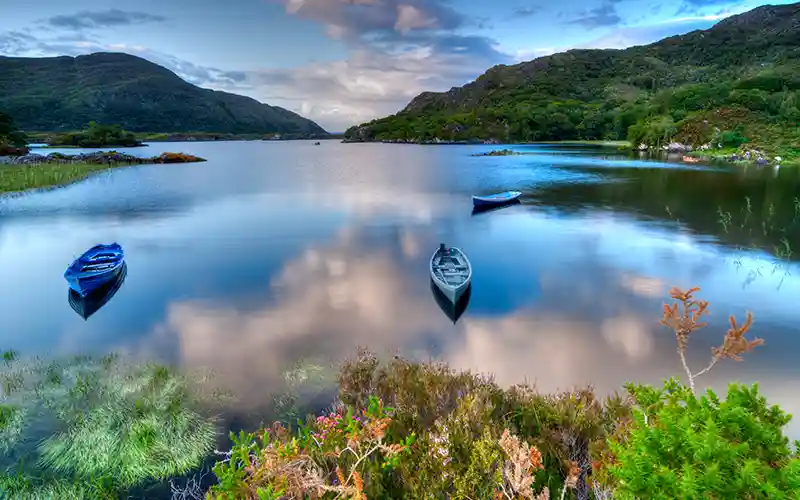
368, 85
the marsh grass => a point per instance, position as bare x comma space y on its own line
17, 178
97, 425
768, 223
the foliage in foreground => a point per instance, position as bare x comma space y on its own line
93, 428
680, 445
422, 430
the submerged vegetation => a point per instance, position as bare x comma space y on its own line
90, 428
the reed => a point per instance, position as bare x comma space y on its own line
18, 178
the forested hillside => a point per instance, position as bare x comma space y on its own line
740, 79
65, 93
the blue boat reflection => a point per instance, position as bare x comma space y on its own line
89, 304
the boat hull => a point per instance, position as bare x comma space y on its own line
453, 310
452, 292
85, 285
96, 267
495, 200
87, 305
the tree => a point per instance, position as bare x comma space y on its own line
10, 136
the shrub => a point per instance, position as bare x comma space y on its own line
455, 434
683, 446
732, 139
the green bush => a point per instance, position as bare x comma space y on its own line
655, 131
680, 446
732, 139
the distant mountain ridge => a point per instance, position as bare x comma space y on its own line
65, 93
599, 94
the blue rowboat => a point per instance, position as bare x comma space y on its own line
96, 267
492, 200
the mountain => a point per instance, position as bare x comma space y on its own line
746, 68
65, 93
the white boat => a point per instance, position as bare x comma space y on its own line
451, 272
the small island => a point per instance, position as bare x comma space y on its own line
96, 135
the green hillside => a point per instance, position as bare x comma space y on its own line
742, 76
65, 93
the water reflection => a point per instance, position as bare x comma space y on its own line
330, 256
487, 209
452, 310
91, 303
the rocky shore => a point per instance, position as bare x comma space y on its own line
745, 153
499, 152
98, 157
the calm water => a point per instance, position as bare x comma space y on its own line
272, 252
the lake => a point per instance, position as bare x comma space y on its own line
274, 254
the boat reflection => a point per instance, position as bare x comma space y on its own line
452, 311
483, 210
87, 306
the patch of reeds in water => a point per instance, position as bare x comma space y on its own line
22, 177
92, 428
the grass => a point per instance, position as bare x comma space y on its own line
85, 428
18, 178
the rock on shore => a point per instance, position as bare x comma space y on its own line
99, 157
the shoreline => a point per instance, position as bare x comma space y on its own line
786, 158
36, 172
21, 179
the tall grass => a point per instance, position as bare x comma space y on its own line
16, 178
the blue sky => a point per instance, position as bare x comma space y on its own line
341, 62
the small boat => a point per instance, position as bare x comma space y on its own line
96, 267
495, 199
87, 305
452, 310
451, 272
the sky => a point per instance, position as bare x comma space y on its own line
343, 62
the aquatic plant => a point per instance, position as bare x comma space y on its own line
95, 425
